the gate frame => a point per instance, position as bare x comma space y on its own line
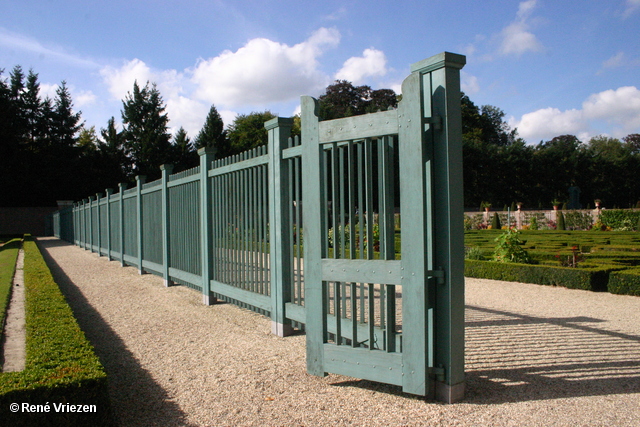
430, 154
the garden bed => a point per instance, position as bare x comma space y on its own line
591, 260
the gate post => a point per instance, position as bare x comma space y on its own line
442, 133
166, 256
313, 220
206, 231
279, 130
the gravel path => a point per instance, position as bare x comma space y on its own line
536, 356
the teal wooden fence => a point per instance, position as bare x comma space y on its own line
236, 230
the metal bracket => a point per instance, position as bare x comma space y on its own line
439, 372
438, 274
436, 121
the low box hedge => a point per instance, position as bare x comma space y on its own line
594, 279
626, 282
62, 373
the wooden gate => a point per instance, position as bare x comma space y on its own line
376, 310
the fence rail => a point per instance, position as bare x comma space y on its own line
212, 228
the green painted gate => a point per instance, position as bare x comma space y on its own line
375, 311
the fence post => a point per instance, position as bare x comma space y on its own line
206, 231
166, 171
122, 187
99, 223
140, 179
85, 222
279, 130
90, 203
109, 192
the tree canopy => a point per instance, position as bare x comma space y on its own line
47, 154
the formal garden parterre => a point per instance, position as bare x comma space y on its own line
602, 254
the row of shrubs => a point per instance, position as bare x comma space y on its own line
62, 368
574, 259
607, 220
599, 279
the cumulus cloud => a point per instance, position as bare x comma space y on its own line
372, 63
516, 37
619, 108
259, 74
181, 108
264, 71
469, 83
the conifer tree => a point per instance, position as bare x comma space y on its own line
213, 134
146, 138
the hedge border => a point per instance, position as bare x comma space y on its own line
61, 365
625, 282
592, 279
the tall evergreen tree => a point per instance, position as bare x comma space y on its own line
185, 155
146, 137
65, 122
213, 134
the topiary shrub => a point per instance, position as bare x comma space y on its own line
495, 222
561, 225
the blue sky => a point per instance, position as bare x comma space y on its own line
553, 67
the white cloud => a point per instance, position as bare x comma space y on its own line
48, 90
85, 97
516, 38
27, 44
618, 109
120, 80
632, 6
372, 63
469, 83
615, 61
264, 71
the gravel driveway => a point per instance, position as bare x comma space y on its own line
536, 356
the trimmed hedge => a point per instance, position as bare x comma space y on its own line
8, 256
61, 366
626, 282
593, 279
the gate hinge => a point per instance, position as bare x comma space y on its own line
439, 373
438, 274
436, 121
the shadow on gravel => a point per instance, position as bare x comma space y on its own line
511, 358
136, 398
514, 358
